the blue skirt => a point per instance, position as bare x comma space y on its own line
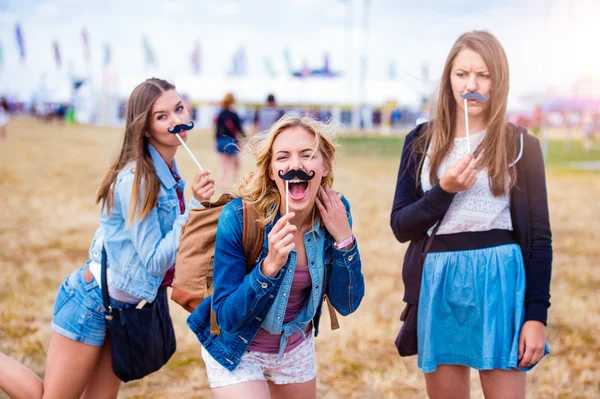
227, 145
471, 308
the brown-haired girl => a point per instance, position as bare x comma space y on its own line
483, 290
143, 212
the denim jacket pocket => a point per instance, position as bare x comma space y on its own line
166, 213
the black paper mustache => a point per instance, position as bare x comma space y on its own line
181, 127
474, 95
300, 174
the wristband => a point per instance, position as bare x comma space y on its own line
342, 244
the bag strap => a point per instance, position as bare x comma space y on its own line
105, 300
230, 126
429, 242
335, 324
252, 241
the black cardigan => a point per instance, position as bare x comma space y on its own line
414, 212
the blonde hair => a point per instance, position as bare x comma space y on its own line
257, 188
135, 148
497, 148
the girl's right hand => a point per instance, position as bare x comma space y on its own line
461, 176
281, 243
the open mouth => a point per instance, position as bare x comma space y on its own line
298, 189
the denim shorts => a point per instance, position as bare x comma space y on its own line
78, 312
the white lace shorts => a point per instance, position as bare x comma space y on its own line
296, 366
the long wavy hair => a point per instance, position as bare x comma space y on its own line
135, 149
257, 188
497, 150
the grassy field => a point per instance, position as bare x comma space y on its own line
48, 176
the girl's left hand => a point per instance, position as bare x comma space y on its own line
532, 343
203, 186
333, 214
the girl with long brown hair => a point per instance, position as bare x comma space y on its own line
479, 262
142, 215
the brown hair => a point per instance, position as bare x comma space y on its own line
228, 101
497, 149
258, 188
135, 149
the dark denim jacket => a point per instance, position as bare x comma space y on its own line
243, 301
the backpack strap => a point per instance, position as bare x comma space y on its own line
335, 324
252, 241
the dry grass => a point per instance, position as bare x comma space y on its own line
48, 174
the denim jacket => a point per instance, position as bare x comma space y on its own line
140, 255
243, 303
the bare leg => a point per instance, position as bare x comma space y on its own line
302, 390
503, 384
448, 382
224, 170
246, 390
235, 163
69, 368
104, 384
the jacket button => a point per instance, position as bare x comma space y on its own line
284, 294
95, 253
258, 319
312, 263
278, 317
264, 285
316, 287
351, 257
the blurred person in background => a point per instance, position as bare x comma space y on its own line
591, 127
228, 132
267, 115
143, 211
481, 297
4, 118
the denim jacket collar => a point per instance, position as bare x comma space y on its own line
162, 169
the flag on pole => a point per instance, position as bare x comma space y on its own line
238, 67
148, 52
56, 53
107, 56
20, 41
392, 73
269, 67
196, 58
86, 44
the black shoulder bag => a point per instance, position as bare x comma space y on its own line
406, 341
142, 339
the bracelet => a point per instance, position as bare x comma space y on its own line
342, 244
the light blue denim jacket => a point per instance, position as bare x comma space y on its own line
245, 302
140, 255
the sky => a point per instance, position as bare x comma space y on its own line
548, 42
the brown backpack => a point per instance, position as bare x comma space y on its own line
194, 262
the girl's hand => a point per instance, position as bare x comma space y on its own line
333, 214
461, 176
532, 343
203, 186
281, 243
